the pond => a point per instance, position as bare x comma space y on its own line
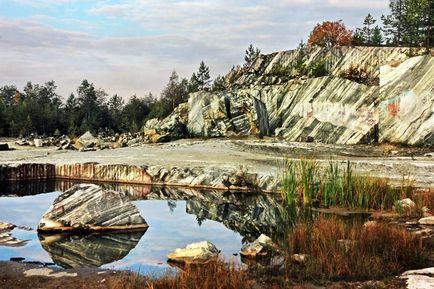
175, 216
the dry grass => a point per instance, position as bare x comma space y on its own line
341, 251
212, 275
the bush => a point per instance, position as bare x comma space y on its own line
360, 75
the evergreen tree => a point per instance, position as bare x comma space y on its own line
252, 53
367, 29
203, 76
193, 84
377, 36
174, 93
218, 84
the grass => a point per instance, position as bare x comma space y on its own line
216, 274
305, 183
340, 251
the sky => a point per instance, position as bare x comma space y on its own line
131, 47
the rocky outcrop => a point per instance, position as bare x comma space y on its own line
99, 172
354, 98
87, 207
20, 172
199, 252
89, 250
407, 107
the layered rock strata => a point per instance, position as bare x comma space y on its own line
348, 95
87, 207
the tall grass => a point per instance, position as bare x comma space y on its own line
337, 250
304, 183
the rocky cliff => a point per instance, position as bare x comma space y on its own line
347, 95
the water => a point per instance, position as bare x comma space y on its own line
175, 216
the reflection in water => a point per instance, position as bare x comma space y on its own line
89, 250
247, 214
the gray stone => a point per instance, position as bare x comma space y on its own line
90, 208
262, 246
38, 142
199, 252
87, 140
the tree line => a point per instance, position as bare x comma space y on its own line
40, 109
409, 23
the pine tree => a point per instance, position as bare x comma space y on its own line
377, 36
193, 84
252, 53
367, 29
218, 84
203, 76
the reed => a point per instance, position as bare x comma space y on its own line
304, 183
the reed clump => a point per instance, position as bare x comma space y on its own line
339, 251
305, 183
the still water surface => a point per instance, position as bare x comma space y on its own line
176, 217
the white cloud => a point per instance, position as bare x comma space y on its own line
166, 35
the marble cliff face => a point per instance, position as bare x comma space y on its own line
346, 95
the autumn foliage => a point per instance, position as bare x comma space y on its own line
330, 34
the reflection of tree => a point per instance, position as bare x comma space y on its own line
200, 220
172, 205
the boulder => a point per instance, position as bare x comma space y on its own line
87, 140
199, 252
262, 246
88, 207
427, 221
38, 142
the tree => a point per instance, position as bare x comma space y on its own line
7, 93
173, 94
252, 53
203, 76
367, 29
330, 34
218, 84
409, 23
134, 113
115, 105
377, 36
193, 84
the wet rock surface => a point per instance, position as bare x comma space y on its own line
199, 252
87, 207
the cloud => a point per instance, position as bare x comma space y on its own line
131, 46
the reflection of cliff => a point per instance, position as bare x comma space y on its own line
89, 250
248, 214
